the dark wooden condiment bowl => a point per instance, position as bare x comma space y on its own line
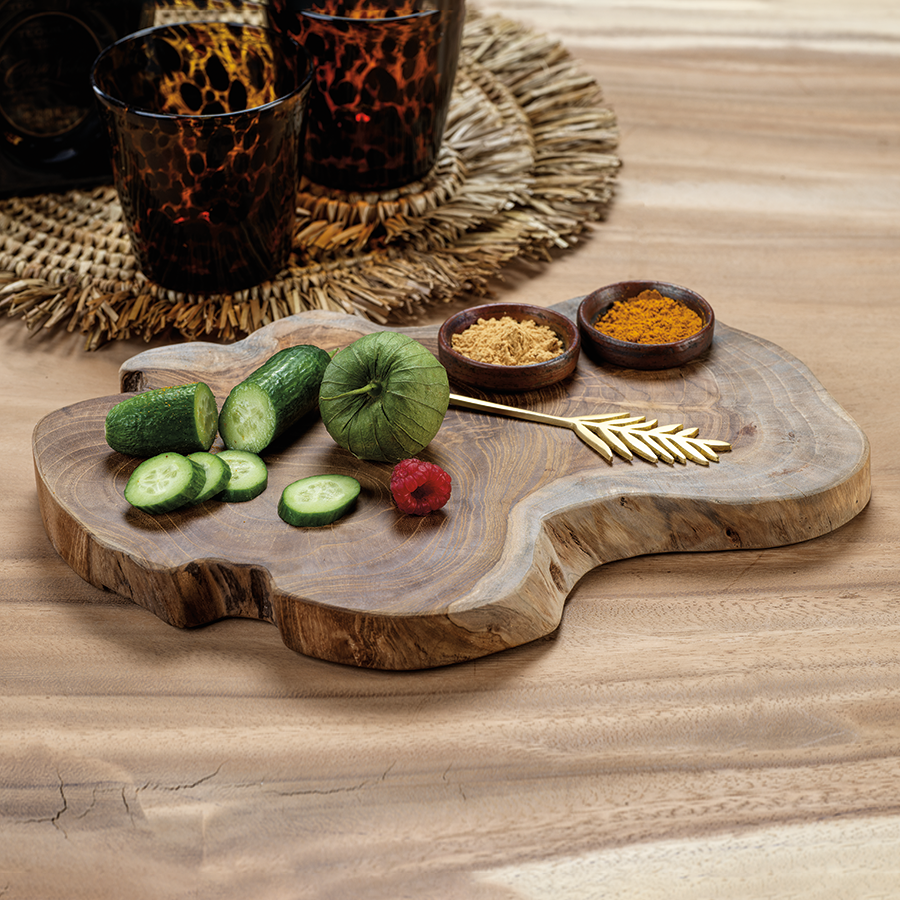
603, 348
490, 377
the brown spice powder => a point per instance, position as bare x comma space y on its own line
649, 318
508, 342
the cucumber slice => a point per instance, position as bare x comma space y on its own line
165, 482
181, 419
317, 500
217, 474
249, 476
273, 398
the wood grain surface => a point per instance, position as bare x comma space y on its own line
721, 724
533, 507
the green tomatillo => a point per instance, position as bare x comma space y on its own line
384, 397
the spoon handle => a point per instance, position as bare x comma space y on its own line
512, 412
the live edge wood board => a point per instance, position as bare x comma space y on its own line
532, 510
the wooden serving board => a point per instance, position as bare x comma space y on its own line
532, 510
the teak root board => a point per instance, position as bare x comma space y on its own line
532, 510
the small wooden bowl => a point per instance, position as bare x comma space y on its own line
491, 377
628, 354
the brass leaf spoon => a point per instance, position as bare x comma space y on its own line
617, 433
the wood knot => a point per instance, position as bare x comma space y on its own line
556, 574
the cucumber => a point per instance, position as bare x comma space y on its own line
180, 419
273, 398
317, 500
249, 476
165, 482
217, 474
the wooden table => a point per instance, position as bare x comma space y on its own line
700, 725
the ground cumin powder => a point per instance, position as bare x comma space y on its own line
649, 318
507, 342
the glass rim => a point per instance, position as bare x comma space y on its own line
111, 101
368, 20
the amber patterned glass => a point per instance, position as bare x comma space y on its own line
206, 122
384, 75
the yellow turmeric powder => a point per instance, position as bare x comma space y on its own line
507, 342
649, 318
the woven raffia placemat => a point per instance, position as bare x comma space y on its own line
528, 160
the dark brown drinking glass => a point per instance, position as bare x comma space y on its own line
206, 121
384, 74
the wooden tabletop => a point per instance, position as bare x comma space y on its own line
722, 724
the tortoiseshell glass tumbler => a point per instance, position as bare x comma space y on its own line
384, 72
206, 125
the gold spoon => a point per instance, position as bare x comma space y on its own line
616, 433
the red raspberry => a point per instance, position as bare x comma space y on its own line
419, 487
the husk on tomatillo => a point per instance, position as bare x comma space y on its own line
384, 397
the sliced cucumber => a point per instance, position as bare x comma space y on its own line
217, 474
273, 398
317, 500
249, 476
180, 419
165, 482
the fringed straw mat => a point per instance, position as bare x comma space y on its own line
528, 160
